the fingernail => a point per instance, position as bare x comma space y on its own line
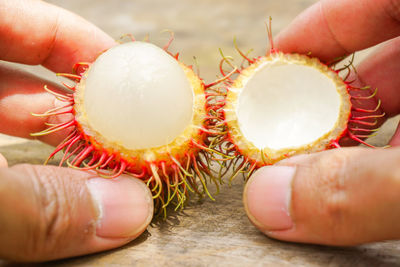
267, 198
125, 206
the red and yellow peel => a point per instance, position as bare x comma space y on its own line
354, 122
170, 171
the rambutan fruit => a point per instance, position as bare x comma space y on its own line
138, 110
281, 104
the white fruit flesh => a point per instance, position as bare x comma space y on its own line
287, 105
138, 96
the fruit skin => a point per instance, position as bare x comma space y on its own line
170, 171
138, 159
354, 123
270, 156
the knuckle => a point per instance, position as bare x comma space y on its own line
334, 189
54, 214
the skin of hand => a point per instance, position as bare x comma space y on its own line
46, 212
345, 196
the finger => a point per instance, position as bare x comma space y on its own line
345, 196
3, 162
22, 94
333, 28
50, 213
35, 32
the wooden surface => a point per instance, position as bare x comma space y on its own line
206, 233
211, 233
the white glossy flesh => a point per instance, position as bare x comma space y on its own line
287, 105
138, 96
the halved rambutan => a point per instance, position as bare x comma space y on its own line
138, 110
280, 105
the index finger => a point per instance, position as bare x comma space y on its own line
333, 28
34, 32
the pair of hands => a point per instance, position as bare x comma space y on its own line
338, 197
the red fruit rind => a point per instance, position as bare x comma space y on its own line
270, 156
354, 123
170, 171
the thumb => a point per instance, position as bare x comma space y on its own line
344, 196
49, 213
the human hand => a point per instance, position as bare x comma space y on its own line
345, 196
47, 212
